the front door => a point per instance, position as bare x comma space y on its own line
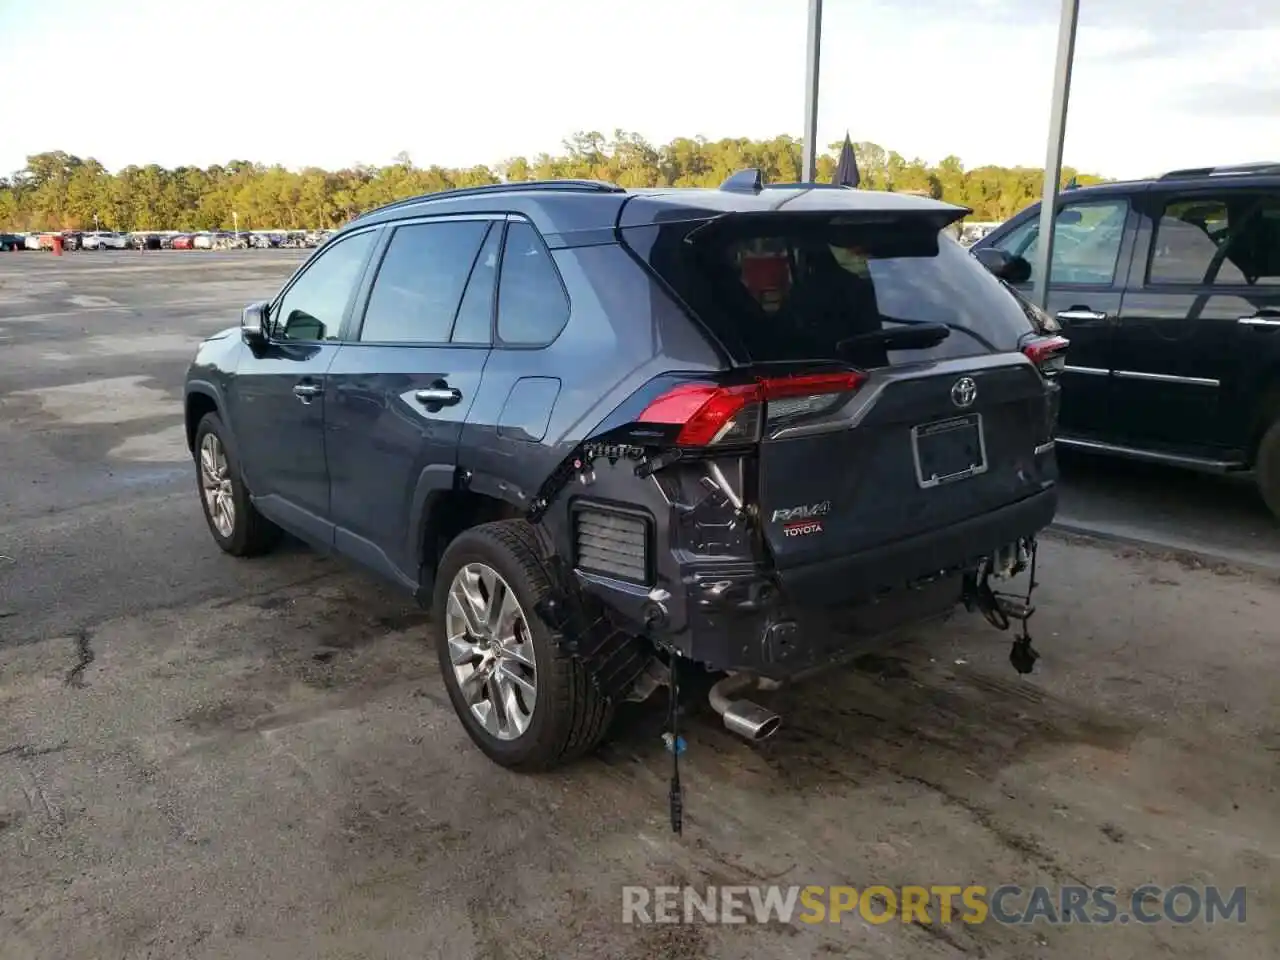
1085, 284
399, 391
1196, 324
280, 390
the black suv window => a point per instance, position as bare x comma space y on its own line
532, 305
787, 288
1229, 239
475, 317
418, 289
312, 309
1086, 241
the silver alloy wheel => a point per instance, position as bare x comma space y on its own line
215, 485
491, 651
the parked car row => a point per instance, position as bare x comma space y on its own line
163, 240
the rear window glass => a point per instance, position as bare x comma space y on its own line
787, 290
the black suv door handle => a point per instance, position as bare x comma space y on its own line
441, 394
306, 392
1266, 318
1081, 314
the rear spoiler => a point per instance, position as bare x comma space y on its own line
933, 216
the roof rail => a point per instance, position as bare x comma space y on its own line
750, 180
520, 186
1228, 170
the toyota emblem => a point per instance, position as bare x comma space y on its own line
963, 392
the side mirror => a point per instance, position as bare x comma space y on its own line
1006, 266
253, 324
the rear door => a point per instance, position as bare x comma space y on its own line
403, 383
1200, 320
1091, 249
933, 433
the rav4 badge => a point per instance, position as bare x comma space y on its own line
806, 512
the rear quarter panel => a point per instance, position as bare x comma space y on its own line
623, 331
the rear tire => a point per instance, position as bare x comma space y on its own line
554, 713
1268, 468
237, 527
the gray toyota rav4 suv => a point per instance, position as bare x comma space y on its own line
613, 437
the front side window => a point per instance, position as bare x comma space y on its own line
1233, 239
532, 306
1086, 242
312, 309
419, 286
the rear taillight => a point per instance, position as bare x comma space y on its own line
709, 415
1049, 354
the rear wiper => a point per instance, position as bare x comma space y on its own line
942, 323
915, 335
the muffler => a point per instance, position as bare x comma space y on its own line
748, 720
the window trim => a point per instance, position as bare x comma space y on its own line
498, 342
1119, 275
1159, 202
310, 262
361, 306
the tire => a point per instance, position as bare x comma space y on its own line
249, 533
568, 715
1268, 468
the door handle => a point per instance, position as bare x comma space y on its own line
1079, 314
1264, 320
306, 392
444, 396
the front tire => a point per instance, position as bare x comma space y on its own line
1268, 468
237, 527
522, 699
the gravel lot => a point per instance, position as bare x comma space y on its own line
203, 758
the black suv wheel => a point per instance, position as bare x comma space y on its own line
235, 524
522, 699
1268, 467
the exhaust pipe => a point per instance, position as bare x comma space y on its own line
748, 720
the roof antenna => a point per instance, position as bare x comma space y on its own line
744, 181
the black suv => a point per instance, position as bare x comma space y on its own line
608, 432
1169, 290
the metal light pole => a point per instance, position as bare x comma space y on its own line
1053, 156
235, 221
810, 154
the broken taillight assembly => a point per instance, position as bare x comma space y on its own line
1049, 354
710, 415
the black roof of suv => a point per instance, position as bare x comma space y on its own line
1169, 289
605, 431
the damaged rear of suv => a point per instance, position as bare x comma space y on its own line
877, 446
750, 429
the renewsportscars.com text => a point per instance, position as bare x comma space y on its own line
936, 904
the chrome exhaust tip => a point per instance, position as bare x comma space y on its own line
742, 717
750, 720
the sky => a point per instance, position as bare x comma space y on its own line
1158, 84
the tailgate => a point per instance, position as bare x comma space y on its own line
914, 451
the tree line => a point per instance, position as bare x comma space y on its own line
57, 190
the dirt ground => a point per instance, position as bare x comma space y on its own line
280, 774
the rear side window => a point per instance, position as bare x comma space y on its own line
532, 305
787, 289
1233, 239
418, 289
